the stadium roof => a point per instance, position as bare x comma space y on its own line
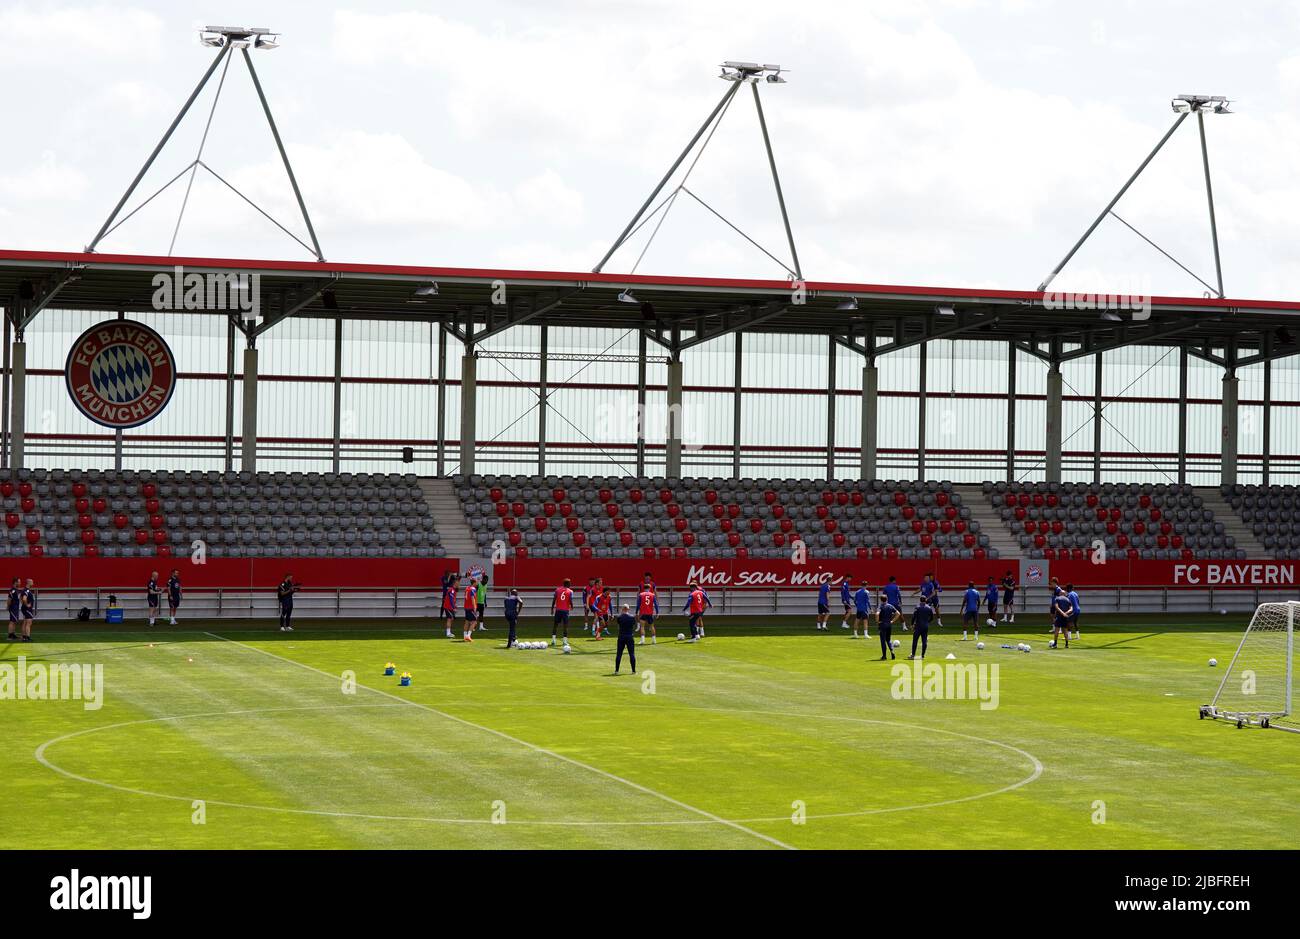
681, 311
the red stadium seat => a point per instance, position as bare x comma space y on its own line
726, 524
909, 512
566, 509
548, 509
496, 494
778, 511
636, 496
579, 538
679, 524
625, 539
710, 496
822, 511
571, 524
619, 523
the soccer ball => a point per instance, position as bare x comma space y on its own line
992, 624
1213, 662
1027, 647
681, 637
1051, 644
1020, 647
897, 643
979, 645
567, 648
1223, 612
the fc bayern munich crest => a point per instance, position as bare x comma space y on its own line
120, 373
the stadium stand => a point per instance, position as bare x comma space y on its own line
128, 513
1144, 521
633, 517
1271, 514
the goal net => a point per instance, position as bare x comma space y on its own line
1256, 689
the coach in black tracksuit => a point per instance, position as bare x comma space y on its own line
885, 615
921, 617
626, 639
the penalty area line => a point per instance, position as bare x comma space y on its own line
524, 743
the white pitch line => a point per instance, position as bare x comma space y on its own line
524, 743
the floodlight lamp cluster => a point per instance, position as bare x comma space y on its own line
751, 72
1215, 104
238, 37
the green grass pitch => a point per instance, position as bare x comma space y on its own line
765, 735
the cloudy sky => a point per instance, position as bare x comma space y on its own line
947, 143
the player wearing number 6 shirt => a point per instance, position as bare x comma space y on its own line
561, 605
647, 608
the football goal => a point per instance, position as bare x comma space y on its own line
1256, 689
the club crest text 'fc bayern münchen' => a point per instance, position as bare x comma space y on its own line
120, 373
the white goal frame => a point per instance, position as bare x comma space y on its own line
1219, 709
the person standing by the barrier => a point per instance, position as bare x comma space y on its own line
173, 594
284, 593
29, 609
15, 607
482, 599
153, 595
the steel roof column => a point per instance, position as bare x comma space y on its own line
338, 393
673, 461
1012, 356
640, 402
1228, 424
248, 441
736, 402
468, 405
541, 403
1182, 414
17, 401
830, 410
1053, 442
922, 382
442, 401
1096, 416
870, 403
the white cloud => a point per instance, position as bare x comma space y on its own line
76, 36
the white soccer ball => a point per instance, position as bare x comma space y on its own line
1028, 647
1213, 662
1020, 647
1052, 644
681, 637
897, 643
991, 623
1223, 612
979, 645
567, 648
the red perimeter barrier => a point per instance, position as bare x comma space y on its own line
362, 573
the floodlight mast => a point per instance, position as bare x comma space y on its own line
1182, 105
224, 39
737, 74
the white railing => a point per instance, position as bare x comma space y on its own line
377, 604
